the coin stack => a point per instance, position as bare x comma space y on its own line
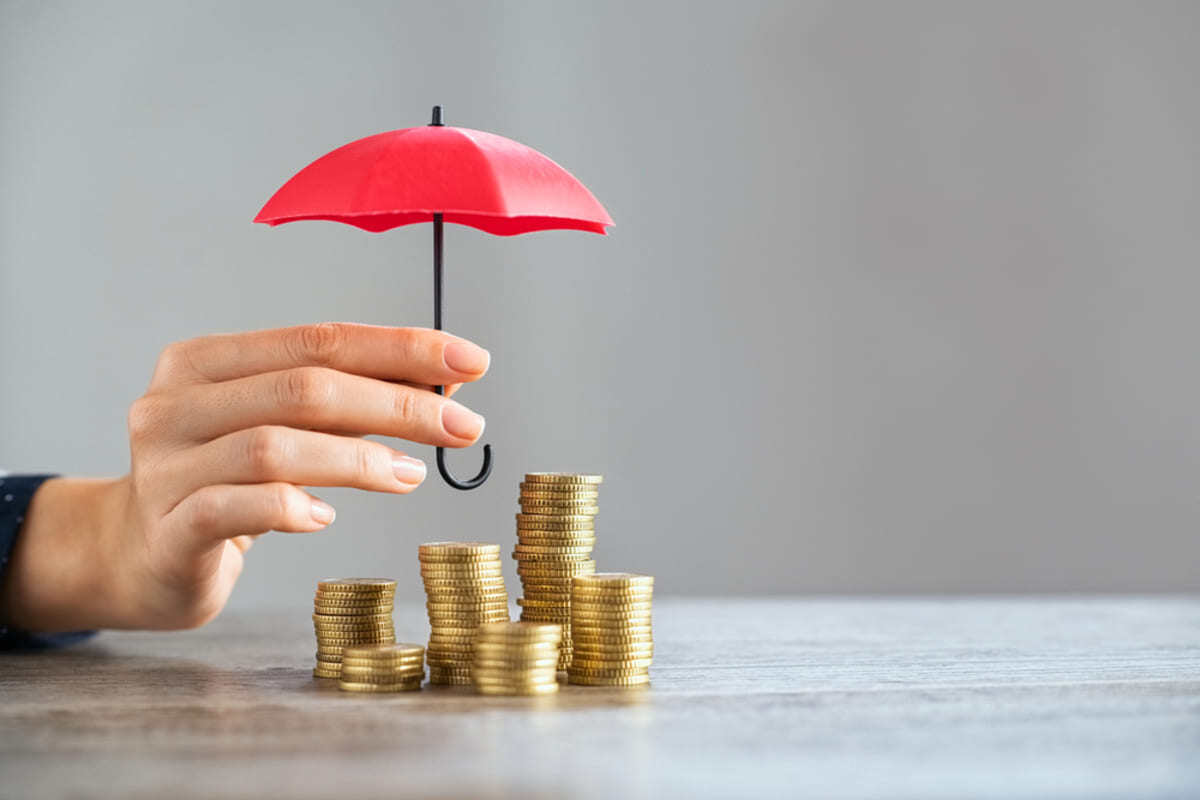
516, 658
610, 624
348, 612
464, 589
382, 668
555, 534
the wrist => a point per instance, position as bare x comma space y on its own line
62, 575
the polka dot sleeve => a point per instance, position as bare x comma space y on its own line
16, 491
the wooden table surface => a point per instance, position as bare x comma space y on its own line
922, 698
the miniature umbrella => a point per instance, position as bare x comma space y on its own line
433, 174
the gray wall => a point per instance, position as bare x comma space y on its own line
901, 296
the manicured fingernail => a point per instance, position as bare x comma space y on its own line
408, 469
461, 422
322, 512
466, 357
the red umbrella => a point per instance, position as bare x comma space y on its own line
434, 174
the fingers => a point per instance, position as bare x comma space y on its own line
418, 355
275, 453
315, 398
213, 514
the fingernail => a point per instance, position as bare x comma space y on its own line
466, 357
461, 422
322, 512
408, 469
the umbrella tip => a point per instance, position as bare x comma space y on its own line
437, 116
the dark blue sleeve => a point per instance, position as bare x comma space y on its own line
16, 492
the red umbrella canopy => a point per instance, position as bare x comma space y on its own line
470, 177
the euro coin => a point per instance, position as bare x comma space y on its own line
559, 478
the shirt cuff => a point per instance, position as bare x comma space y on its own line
16, 492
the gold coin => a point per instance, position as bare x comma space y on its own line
507, 649
347, 613
356, 584
539, 539
564, 495
522, 550
463, 583
585, 627
473, 599
522, 631
550, 688
392, 650
391, 663
379, 688
564, 477
327, 672
333, 599
364, 620
622, 681
614, 640
604, 649
637, 616
439, 550
591, 666
550, 558
515, 666
536, 614
555, 508
539, 679
559, 512
380, 676
591, 603
617, 579
555, 522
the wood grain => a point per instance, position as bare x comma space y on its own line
790, 697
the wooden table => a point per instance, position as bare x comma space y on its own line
918, 698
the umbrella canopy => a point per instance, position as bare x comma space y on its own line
470, 177
439, 174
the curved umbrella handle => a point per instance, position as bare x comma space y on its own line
486, 469
473, 483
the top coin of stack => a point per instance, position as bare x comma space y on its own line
347, 612
610, 621
555, 534
464, 589
516, 658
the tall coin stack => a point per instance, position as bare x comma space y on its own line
555, 534
348, 612
516, 658
382, 668
464, 589
610, 624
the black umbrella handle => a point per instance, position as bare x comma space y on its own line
486, 469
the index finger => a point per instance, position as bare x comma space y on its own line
415, 355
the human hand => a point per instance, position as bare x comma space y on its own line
229, 430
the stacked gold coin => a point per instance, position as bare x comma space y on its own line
464, 589
610, 626
396, 667
555, 534
516, 658
348, 612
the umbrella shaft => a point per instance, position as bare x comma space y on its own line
437, 271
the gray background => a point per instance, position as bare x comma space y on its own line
901, 296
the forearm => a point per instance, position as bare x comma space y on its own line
60, 576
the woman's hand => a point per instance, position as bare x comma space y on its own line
230, 429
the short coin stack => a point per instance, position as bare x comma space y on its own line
610, 624
382, 668
555, 534
516, 658
464, 589
348, 612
